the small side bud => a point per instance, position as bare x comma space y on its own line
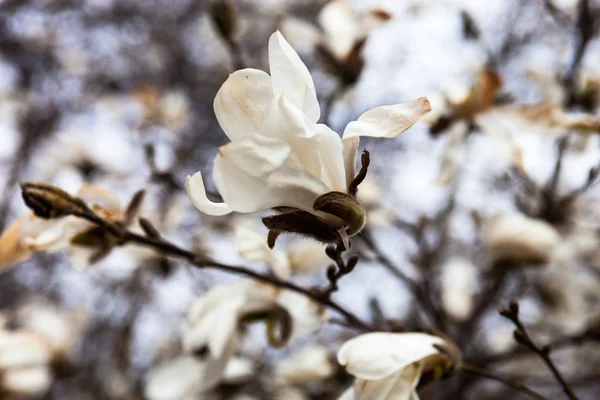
49, 202
149, 228
514, 307
332, 252
351, 264
134, 206
521, 337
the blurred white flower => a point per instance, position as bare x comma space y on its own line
459, 282
517, 238
344, 28
238, 371
279, 156
214, 321
175, 379
58, 328
388, 366
307, 365
290, 393
300, 256
24, 362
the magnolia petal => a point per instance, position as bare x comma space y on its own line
257, 173
243, 101
348, 394
194, 185
29, 380
377, 355
174, 379
317, 147
330, 147
284, 120
388, 121
93, 195
393, 387
213, 318
291, 77
11, 248
308, 316
350, 153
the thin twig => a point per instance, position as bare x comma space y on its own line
585, 29
419, 294
473, 370
522, 337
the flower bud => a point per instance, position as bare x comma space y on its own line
49, 202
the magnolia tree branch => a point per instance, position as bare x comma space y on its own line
166, 247
51, 202
522, 337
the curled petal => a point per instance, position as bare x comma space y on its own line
194, 186
377, 355
388, 121
291, 77
243, 101
257, 173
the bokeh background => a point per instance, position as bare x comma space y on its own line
119, 94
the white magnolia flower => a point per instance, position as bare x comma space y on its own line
388, 366
299, 256
213, 327
308, 365
517, 238
279, 156
31, 234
